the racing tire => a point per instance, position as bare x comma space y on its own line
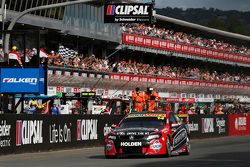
188, 147
168, 147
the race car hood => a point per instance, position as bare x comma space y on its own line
135, 131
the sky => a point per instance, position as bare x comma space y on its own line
240, 5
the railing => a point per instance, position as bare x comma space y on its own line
146, 79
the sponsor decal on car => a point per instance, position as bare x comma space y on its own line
156, 146
131, 144
109, 147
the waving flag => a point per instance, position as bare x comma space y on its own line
66, 53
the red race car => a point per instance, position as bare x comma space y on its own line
148, 133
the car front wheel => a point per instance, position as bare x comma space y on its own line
168, 147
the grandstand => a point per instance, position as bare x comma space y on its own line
166, 55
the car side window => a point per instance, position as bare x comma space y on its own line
172, 118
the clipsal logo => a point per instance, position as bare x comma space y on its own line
87, 129
31, 81
127, 10
240, 123
29, 132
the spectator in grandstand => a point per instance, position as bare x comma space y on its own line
15, 58
1, 54
181, 37
191, 111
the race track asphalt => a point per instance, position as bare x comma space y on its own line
219, 152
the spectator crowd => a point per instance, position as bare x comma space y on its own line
136, 68
181, 37
94, 63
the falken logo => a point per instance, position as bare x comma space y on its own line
31, 81
127, 10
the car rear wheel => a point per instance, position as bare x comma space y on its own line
168, 147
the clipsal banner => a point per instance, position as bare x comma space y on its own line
121, 12
239, 124
29, 132
86, 129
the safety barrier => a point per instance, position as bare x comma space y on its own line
30, 133
239, 124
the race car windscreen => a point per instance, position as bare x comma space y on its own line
149, 122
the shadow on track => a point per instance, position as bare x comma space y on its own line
239, 159
129, 157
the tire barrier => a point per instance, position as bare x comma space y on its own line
32, 133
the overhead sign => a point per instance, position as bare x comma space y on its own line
127, 13
22, 80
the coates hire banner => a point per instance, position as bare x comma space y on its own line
22, 80
125, 13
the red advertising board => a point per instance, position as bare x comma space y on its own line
170, 81
155, 43
239, 124
180, 100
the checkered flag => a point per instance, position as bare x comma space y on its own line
66, 53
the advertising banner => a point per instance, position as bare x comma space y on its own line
170, 81
28, 133
195, 50
239, 124
127, 13
204, 126
22, 80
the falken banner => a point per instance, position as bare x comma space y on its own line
127, 13
22, 80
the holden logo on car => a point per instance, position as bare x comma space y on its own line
131, 137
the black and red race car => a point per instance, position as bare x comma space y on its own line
148, 133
